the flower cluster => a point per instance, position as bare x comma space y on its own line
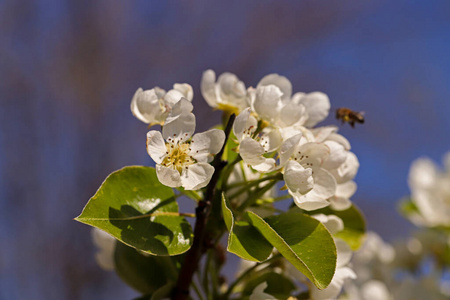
275, 131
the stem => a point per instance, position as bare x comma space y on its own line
197, 291
202, 212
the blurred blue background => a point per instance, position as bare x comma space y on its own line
68, 70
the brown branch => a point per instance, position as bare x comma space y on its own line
192, 259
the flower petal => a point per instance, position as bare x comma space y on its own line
268, 165
208, 89
312, 154
288, 147
337, 156
147, 107
347, 171
270, 139
297, 178
333, 223
324, 183
244, 122
206, 143
156, 147
322, 133
267, 102
280, 81
309, 201
317, 106
185, 89
344, 252
251, 151
196, 176
168, 176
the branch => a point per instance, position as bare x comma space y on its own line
202, 212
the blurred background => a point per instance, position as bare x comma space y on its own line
68, 70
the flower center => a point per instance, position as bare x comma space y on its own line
178, 156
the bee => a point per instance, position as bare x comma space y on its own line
350, 116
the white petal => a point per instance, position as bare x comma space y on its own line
271, 139
297, 178
251, 151
340, 203
333, 223
268, 165
317, 106
344, 253
313, 154
310, 201
197, 176
208, 89
288, 147
156, 147
231, 87
267, 102
280, 81
172, 97
324, 183
243, 123
322, 133
206, 143
185, 89
338, 155
347, 171
181, 126
291, 113
168, 176
147, 107
339, 139
182, 106
346, 189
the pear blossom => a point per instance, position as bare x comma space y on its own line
300, 109
180, 160
309, 184
253, 147
430, 192
154, 105
227, 94
106, 245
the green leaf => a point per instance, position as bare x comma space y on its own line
145, 273
133, 206
303, 241
244, 240
229, 152
277, 285
354, 224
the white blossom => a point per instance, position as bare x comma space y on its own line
154, 105
309, 184
430, 192
227, 94
253, 147
180, 160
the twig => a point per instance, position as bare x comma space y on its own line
202, 212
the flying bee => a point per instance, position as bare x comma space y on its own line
350, 116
